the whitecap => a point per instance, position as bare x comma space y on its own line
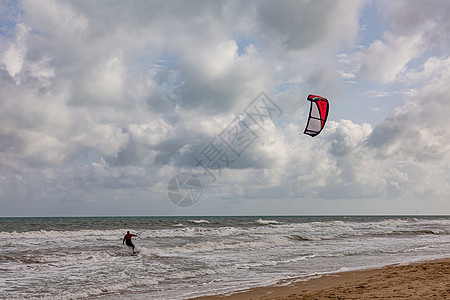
266, 222
199, 221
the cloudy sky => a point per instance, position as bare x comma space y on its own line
104, 103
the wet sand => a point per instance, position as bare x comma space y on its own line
421, 280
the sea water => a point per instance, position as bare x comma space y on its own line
182, 257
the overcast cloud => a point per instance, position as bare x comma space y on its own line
103, 102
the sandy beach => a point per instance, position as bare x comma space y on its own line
421, 280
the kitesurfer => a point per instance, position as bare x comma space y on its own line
127, 240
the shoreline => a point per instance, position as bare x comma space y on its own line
417, 280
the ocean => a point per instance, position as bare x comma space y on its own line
183, 257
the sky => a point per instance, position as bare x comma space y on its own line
198, 107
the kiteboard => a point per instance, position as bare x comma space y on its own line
129, 250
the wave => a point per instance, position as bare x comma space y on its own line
312, 231
415, 232
201, 221
60, 233
266, 222
298, 237
295, 258
264, 242
101, 289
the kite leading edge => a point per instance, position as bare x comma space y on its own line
318, 113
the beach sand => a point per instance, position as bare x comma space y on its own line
421, 280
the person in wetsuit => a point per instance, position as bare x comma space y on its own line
127, 240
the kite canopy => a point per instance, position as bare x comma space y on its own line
318, 113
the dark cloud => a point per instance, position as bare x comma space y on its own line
413, 130
389, 132
296, 24
406, 17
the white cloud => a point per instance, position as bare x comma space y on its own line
106, 100
58, 19
385, 60
104, 83
14, 57
432, 68
212, 61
